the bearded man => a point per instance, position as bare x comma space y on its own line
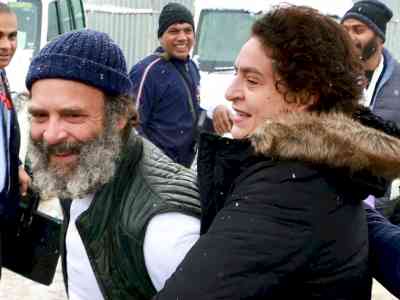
366, 23
130, 213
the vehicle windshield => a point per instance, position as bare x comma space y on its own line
29, 15
220, 35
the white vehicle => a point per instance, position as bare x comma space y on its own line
223, 26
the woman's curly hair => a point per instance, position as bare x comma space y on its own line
312, 54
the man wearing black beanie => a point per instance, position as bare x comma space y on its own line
366, 23
166, 85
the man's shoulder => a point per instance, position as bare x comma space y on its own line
146, 61
193, 63
152, 63
390, 59
157, 184
149, 181
167, 178
391, 74
156, 162
396, 66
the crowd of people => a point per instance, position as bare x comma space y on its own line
298, 203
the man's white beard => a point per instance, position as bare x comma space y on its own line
96, 166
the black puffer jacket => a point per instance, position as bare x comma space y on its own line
9, 196
282, 218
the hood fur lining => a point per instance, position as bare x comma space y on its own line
330, 139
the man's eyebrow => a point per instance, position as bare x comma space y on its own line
9, 33
359, 26
67, 110
32, 109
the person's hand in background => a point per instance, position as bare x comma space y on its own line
24, 180
222, 119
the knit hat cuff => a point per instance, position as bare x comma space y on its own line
173, 13
366, 20
86, 71
165, 26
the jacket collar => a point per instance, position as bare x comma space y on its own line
332, 140
162, 53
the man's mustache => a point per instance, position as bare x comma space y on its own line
65, 147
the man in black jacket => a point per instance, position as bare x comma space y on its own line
13, 178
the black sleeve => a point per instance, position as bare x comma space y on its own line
384, 243
257, 239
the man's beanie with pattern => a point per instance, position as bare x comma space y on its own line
87, 56
173, 13
373, 13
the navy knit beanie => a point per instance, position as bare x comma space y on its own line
173, 13
87, 56
373, 13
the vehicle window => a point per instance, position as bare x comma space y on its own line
77, 9
29, 16
213, 50
66, 18
54, 22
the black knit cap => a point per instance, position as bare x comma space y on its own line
173, 13
87, 56
373, 13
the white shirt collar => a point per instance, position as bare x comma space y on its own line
369, 92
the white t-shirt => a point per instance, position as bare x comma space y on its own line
168, 238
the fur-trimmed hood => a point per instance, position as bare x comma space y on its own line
332, 140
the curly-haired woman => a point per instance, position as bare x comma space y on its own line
282, 202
